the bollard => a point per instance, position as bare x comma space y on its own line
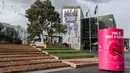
111, 49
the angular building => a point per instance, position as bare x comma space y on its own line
81, 31
89, 29
8, 34
71, 16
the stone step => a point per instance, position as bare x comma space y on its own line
24, 58
22, 54
19, 50
6, 53
10, 47
32, 55
19, 58
28, 62
78, 63
23, 68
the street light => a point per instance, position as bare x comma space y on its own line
90, 34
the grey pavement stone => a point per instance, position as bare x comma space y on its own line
49, 70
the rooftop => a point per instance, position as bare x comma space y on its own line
7, 25
65, 7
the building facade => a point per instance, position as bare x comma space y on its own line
8, 34
126, 42
71, 18
90, 27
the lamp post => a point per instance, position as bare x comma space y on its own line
90, 34
89, 22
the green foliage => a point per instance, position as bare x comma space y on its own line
17, 41
56, 49
46, 42
43, 17
36, 17
33, 31
62, 51
60, 28
66, 53
73, 55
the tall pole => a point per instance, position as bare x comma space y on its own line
90, 33
97, 18
97, 22
89, 22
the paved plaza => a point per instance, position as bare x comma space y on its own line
94, 69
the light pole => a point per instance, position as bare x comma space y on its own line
90, 34
96, 16
89, 22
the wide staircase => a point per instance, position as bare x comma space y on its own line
21, 58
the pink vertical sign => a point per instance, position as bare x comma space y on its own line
111, 49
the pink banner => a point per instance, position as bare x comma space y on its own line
111, 49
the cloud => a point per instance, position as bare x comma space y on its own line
17, 2
99, 1
14, 10
119, 8
59, 4
120, 11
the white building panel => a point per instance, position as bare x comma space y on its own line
71, 17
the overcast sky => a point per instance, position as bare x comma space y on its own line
13, 11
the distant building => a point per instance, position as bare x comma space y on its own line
78, 29
7, 32
22, 33
71, 16
126, 43
107, 20
89, 27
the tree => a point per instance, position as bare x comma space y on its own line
52, 18
36, 17
43, 17
33, 31
60, 28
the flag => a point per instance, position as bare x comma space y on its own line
87, 13
96, 8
